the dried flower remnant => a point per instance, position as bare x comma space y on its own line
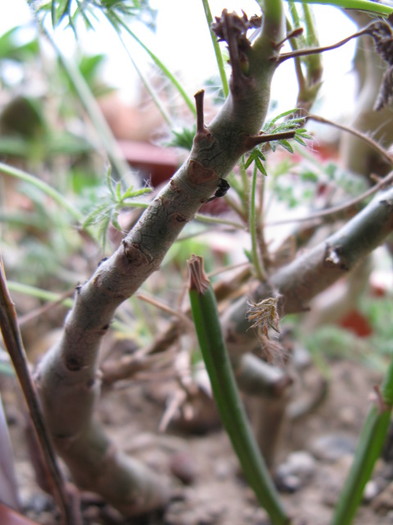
264, 315
239, 25
232, 29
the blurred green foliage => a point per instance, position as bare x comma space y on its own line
89, 10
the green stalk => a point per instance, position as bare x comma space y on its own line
209, 219
53, 297
313, 62
362, 5
369, 449
39, 293
252, 224
147, 84
226, 394
44, 187
244, 190
217, 50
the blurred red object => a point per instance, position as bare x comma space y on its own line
9, 516
159, 164
357, 323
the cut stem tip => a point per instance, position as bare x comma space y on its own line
198, 278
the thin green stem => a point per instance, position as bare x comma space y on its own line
149, 88
295, 17
44, 187
216, 47
362, 5
243, 191
39, 293
226, 394
273, 26
294, 42
311, 33
309, 84
313, 62
219, 222
369, 449
252, 224
172, 78
52, 297
236, 208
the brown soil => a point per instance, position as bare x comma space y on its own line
208, 488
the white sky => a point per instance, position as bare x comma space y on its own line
183, 43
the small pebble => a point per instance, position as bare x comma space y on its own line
223, 469
183, 467
296, 471
332, 447
383, 502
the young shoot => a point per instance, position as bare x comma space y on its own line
108, 208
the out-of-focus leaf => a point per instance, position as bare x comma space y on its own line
89, 9
286, 145
14, 146
67, 144
12, 49
258, 158
183, 138
90, 68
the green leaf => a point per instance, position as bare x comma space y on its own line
183, 138
362, 5
59, 9
130, 193
10, 49
114, 220
88, 10
248, 254
286, 145
14, 146
65, 143
282, 115
256, 156
299, 140
96, 215
118, 193
260, 166
309, 176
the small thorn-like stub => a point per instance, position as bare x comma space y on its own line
381, 404
198, 278
255, 140
199, 110
292, 34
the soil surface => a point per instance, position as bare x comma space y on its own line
313, 458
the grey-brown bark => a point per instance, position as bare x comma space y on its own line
309, 274
67, 378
